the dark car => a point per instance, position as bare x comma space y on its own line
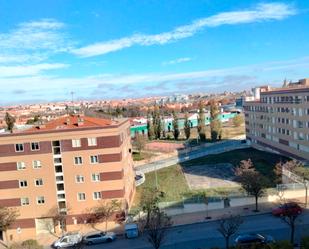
290, 208
249, 239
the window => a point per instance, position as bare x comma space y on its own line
38, 182
78, 160
23, 184
79, 179
76, 143
96, 195
95, 177
94, 159
40, 200
36, 164
24, 201
81, 196
21, 165
35, 146
19, 147
92, 141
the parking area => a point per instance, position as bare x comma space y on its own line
210, 176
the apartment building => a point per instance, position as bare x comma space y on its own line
278, 119
71, 164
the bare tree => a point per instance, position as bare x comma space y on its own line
290, 218
238, 120
102, 212
228, 226
139, 142
58, 217
10, 121
150, 198
7, 217
157, 228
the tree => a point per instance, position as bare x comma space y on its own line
229, 225
215, 123
290, 218
7, 217
150, 128
59, 218
251, 180
201, 126
187, 127
102, 212
157, 123
10, 121
175, 126
238, 120
149, 200
157, 228
140, 142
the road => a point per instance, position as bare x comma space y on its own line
216, 148
205, 235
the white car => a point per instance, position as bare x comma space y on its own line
98, 237
68, 240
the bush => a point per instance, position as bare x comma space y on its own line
27, 244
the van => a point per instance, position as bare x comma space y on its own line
68, 240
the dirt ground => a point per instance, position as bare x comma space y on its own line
210, 176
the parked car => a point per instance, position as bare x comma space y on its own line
249, 239
287, 208
98, 237
68, 240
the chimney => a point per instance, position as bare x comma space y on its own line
80, 121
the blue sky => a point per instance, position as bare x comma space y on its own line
123, 49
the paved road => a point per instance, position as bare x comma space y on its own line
205, 235
212, 149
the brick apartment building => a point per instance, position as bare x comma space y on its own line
278, 119
70, 163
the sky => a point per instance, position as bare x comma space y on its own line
116, 49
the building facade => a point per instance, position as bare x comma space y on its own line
279, 119
69, 164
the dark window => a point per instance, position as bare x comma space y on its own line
35, 146
19, 147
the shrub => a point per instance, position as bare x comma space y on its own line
304, 242
27, 244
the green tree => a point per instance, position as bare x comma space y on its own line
175, 126
215, 123
187, 127
201, 126
238, 120
7, 217
10, 121
157, 123
251, 180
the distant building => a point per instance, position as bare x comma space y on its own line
278, 119
70, 163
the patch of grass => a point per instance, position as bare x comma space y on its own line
141, 156
170, 180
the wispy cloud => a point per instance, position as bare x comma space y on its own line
261, 12
33, 41
176, 61
17, 71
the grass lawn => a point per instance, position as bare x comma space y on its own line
172, 181
141, 156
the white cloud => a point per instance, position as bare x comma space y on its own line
176, 61
17, 71
262, 12
33, 41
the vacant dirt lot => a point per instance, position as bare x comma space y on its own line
210, 176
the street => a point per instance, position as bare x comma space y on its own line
205, 235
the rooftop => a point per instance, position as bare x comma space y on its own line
70, 122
